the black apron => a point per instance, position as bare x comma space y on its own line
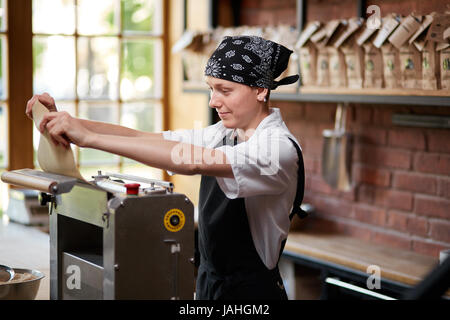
230, 267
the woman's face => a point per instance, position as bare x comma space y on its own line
238, 105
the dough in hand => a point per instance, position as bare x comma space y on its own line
52, 158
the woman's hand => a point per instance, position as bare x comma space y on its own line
45, 99
64, 129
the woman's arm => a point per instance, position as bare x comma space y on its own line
178, 157
117, 130
164, 154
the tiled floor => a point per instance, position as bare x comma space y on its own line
28, 248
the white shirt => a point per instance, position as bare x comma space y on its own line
265, 174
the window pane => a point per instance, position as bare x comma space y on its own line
62, 106
2, 15
3, 75
98, 17
54, 16
54, 66
142, 15
98, 67
106, 112
141, 69
3, 136
144, 116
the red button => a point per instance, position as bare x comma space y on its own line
132, 188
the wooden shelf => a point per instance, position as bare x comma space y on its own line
363, 96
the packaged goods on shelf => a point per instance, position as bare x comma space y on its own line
444, 52
430, 57
321, 39
353, 54
390, 55
373, 61
410, 57
307, 53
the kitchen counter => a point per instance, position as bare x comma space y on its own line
26, 247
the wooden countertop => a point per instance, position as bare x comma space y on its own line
403, 266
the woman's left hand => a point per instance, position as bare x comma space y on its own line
65, 129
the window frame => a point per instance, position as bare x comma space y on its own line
20, 150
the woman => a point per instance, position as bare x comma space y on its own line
251, 167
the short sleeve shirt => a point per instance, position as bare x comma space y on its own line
265, 175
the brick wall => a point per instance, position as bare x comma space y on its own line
401, 175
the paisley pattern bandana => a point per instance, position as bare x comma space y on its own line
250, 60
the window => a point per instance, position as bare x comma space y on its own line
101, 60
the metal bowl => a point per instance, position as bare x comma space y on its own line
24, 290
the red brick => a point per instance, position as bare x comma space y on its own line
317, 184
382, 116
373, 176
394, 199
407, 138
366, 193
440, 230
428, 247
312, 147
285, 16
370, 135
432, 163
363, 114
320, 112
381, 156
443, 187
329, 206
438, 140
369, 214
416, 182
432, 206
397, 220
391, 239
348, 195
417, 225
304, 129
311, 165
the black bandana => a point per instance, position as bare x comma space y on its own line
250, 60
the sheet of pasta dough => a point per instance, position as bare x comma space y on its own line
52, 158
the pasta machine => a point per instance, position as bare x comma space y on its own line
115, 240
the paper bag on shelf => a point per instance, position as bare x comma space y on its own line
429, 55
353, 54
410, 57
321, 40
307, 53
390, 56
372, 60
440, 28
391, 66
444, 59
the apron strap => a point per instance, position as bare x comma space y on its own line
296, 209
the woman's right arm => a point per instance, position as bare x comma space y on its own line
117, 130
94, 126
